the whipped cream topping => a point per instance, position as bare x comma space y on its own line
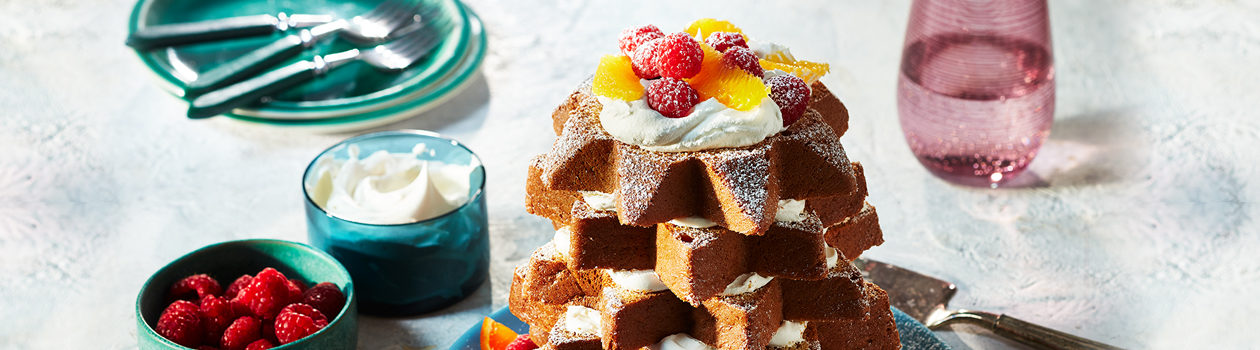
693, 222
710, 125
790, 210
746, 283
581, 320
388, 188
562, 240
599, 201
680, 341
833, 257
764, 49
789, 333
637, 280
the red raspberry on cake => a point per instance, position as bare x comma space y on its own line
745, 59
181, 323
791, 94
721, 41
265, 295
671, 97
241, 333
678, 56
632, 37
326, 298
195, 287
643, 59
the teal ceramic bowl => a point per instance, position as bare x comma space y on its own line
228, 260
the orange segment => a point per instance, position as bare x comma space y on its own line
615, 79
806, 70
730, 85
703, 27
495, 336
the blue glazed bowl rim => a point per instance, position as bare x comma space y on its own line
349, 292
481, 187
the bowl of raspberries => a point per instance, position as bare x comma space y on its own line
249, 294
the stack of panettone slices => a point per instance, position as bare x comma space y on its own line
731, 248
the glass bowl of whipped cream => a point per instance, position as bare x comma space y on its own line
405, 212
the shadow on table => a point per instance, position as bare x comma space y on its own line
1089, 149
433, 330
462, 115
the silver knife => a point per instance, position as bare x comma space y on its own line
174, 34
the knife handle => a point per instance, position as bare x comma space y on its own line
162, 35
249, 91
238, 68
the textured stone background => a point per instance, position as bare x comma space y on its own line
1138, 229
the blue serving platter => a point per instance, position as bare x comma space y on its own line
914, 335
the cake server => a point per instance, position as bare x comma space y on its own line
926, 298
174, 34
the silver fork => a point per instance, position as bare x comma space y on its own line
396, 55
372, 27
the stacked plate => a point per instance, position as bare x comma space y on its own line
353, 97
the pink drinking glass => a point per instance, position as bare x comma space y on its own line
976, 87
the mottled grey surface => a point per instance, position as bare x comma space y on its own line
1138, 231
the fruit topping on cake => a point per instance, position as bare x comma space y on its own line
791, 94
704, 26
616, 79
728, 83
678, 56
672, 97
721, 41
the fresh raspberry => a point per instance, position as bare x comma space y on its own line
791, 94
243, 331
674, 98
308, 311
181, 323
720, 41
745, 59
326, 298
292, 325
216, 314
632, 37
265, 295
195, 287
678, 56
235, 288
643, 60
260, 344
522, 342
295, 290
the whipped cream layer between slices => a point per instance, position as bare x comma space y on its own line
582, 320
789, 333
680, 341
790, 210
637, 280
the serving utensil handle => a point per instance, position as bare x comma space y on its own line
1026, 332
162, 35
249, 91
241, 67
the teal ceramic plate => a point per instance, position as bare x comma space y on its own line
423, 99
914, 335
356, 88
